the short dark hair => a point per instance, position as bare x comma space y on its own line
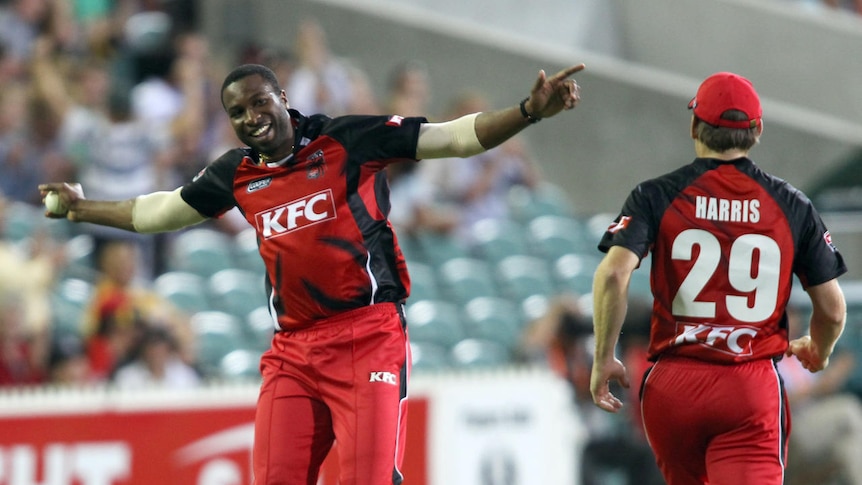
721, 139
246, 70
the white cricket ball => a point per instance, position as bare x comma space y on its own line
54, 204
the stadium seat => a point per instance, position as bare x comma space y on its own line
22, 220
494, 319
248, 256
463, 279
240, 365
216, 335
69, 301
423, 282
477, 353
201, 251
438, 248
573, 273
494, 239
429, 356
523, 276
236, 291
260, 328
80, 262
187, 291
552, 236
526, 204
434, 321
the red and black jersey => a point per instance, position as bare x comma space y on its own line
726, 239
321, 214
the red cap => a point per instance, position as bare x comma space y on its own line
723, 91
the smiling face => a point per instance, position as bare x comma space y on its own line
258, 115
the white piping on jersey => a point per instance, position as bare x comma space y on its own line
782, 429
272, 312
371, 276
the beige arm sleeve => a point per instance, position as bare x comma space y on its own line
163, 212
456, 138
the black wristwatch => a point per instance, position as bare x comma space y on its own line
527, 116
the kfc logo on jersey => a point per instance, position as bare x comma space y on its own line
387, 377
394, 120
300, 213
722, 338
618, 226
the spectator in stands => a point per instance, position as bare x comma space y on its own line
827, 420
562, 340
157, 362
122, 309
478, 187
27, 275
409, 90
413, 208
321, 81
22, 354
20, 24
68, 364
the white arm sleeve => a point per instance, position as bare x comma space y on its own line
163, 212
456, 138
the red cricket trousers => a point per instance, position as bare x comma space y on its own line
343, 379
716, 424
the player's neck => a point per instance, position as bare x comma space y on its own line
703, 152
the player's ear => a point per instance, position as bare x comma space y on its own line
693, 128
283, 96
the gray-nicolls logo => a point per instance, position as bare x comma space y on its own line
387, 377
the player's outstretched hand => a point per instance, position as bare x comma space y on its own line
69, 194
600, 379
550, 95
808, 354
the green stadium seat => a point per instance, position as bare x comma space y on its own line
433, 321
248, 256
236, 291
494, 239
522, 276
201, 251
187, 291
423, 282
477, 353
463, 279
216, 335
493, 319
429, 357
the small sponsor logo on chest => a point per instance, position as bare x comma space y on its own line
258, 184
298, 214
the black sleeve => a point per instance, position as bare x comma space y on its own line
817, 258
211, 191
633, 228
377, 138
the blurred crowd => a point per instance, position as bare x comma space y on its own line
122, 96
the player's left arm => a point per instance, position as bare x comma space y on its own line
477, 132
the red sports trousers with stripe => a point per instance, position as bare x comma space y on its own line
336, 278
726, 240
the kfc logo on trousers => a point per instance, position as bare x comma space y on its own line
297, 214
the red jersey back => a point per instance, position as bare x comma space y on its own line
321, 214
726, 239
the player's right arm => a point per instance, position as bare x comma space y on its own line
610, 297
150, 213
828, 316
